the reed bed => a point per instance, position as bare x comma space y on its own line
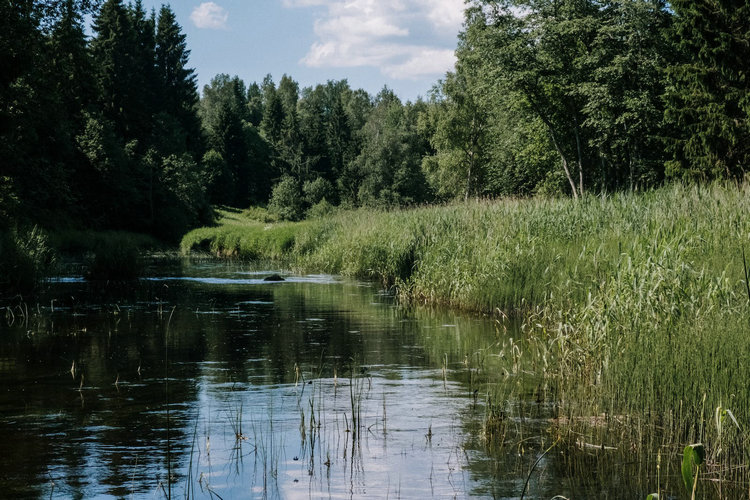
634, 306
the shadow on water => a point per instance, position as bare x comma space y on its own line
311, 387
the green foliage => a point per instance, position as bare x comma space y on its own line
692, 457
709, 93
177, 90
320, 210
184, 198
109, 133
286, 199
317, 190
259, 214
25, 260
457, 123
93, 122
250, 240
116, 258
389, 164
238, 167
572, 86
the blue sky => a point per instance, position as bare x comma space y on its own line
405, 44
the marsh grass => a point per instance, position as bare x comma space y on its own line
26, 258
252, 241
632, 305
107, 255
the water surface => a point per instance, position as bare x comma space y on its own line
204, 381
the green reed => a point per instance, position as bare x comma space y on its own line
634, 306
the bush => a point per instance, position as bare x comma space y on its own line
116, 258
320, 209
317, 191
25, 260
286, 199
259, 214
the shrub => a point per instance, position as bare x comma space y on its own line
259, 214
286, 199
317, 191
25, 260
320, 209
116, 258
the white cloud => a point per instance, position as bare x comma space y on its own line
210, 16
422, 61
445, 14
406, 39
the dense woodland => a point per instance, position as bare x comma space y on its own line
556, 97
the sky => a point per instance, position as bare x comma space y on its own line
407, 45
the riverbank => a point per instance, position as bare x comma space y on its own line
633, 304
509, 255
30, 255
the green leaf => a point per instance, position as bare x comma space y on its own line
693, 456
653, 496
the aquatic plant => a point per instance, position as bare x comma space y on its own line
116, 258
26, 258
632, 305
692, 458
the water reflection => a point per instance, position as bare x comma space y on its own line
206, 381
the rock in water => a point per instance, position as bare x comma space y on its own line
273, 277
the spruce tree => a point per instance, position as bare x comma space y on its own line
709, 98
112, 51
142, 98
176, 83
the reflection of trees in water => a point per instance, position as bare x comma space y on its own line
76, 425
113, 437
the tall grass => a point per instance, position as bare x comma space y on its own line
637, 303
26, 258
107, 255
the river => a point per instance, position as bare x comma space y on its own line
204, 381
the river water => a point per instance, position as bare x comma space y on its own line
204, 381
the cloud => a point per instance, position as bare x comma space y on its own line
421, 61
445, 14
405, 39
210, 16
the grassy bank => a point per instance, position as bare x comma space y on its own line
25, 259
515, 254
30, 255
633, 304
106, 255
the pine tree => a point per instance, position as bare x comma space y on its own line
338, 136
177, 89
273, 117
231, 144
254, 104
142, 98
709, 99
111, 50
70, 61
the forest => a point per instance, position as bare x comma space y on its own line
559, 98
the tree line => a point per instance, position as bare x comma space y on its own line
567, 96
558, 97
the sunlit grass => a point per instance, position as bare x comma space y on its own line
632, 304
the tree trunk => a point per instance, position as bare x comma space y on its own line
580, 154
564, 162
540, 113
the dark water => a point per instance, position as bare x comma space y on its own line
204, 381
